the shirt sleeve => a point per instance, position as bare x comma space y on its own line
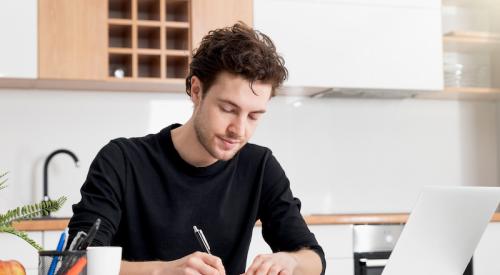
101, 196
283, 227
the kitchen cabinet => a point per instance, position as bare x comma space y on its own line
336, 241
18, 50
128, 40
212, 14
371, 45
471, 37
486, 254
12, 247
72, 39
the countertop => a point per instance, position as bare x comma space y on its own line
396, 218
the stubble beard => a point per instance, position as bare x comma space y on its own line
203, 137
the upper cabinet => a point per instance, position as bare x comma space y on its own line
72, 39
128, 40
18, 32
385, 44
212, 14
471, 36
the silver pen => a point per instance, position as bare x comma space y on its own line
201, 239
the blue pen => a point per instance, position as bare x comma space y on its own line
60, 246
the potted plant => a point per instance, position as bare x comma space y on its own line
29, 211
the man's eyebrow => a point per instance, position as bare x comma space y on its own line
238, 107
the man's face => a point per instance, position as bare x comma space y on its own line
225, 119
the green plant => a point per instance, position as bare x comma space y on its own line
29, 211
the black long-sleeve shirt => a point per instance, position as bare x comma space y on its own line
149, 199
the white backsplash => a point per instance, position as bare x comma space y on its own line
341, 155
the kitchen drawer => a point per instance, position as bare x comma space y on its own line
339, 267
336, 240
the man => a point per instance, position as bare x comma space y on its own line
149, 192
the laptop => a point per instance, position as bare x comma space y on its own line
443, 231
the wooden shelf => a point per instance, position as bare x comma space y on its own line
471, 41
180, 25
177, 52
148, 39
475, 90
126, 84
149, 51
464, 93
142, 23
120, 50
114, 21
383, 218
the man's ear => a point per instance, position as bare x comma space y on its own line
196, 90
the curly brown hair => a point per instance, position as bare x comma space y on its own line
238, 50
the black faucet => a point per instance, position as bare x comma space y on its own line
46, 166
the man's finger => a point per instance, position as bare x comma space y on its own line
213, 261
264, 267
275, 270
197, 263
255, 264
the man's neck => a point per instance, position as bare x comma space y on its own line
188, 146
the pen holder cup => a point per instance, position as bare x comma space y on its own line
53, 262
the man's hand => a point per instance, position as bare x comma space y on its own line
282, 263
197, 263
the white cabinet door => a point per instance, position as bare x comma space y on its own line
399, 3
339, 267
351, 44
13, 247
336, 241
486, 256
18, 36
257, 245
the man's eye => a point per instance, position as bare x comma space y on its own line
226, 109
253, 117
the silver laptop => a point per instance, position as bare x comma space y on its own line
443, 231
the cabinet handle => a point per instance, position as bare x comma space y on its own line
374, 263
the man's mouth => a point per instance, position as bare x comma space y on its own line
228, 144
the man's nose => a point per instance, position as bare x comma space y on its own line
237, 128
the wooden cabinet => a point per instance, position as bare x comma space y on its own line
72, 39
211, 14
368, 45
128, 40
18, 32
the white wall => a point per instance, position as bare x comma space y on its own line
354, 155
338, 153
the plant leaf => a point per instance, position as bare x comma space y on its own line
31, 211
22, 235
2, 182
